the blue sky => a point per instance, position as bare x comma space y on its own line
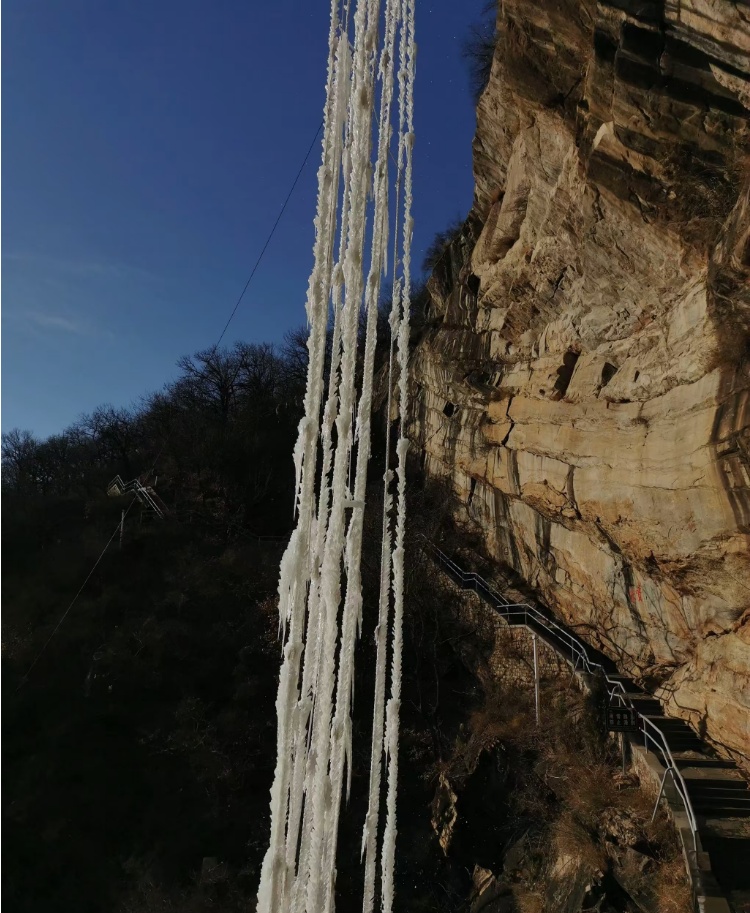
147, 148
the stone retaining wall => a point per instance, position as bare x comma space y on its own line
496, 652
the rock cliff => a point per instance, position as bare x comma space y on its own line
584, 374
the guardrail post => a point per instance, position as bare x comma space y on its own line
661, 790
536, 679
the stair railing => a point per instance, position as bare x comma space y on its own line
530, 617
141, 492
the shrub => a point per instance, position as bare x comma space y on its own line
479, 51
439, 243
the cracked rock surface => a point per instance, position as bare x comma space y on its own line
584, 376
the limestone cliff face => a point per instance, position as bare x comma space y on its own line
585, 375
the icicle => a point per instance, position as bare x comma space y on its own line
341, 751
303, 735
314, 729
407, 58
272, 892
370, 831
330, 733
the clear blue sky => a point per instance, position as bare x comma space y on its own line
147, 148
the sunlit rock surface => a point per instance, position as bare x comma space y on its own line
585, 374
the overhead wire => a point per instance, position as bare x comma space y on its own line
216, 345
270, 234
260, 255
65, 614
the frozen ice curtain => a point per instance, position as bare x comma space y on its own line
364, 202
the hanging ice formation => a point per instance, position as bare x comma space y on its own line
320, 598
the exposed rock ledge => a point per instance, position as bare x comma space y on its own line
585, 375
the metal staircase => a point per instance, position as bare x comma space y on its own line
149, 499
712, 792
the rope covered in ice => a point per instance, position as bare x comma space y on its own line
320, 584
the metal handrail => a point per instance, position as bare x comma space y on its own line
141, 491
662, 784
615, 688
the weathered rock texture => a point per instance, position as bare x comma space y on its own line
493, 651
584, 377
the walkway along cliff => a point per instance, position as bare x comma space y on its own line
584, 375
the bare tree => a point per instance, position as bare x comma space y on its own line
19, 457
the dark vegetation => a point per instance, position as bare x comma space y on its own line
219, 435
140, 731
569, 830
142, 741
439, 244
479, 50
